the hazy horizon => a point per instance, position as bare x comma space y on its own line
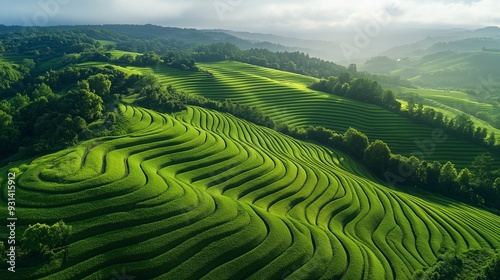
290, 18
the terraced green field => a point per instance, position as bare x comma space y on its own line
453, 103
485, 61
118, 53
204, 195
453, 69
285, 97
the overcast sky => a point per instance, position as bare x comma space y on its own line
266, 16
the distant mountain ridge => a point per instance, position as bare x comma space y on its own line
395, 43
187, 35
461, 40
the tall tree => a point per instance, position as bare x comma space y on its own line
448, 177
100, 85
82, 103
491, 141
411, 105
355, 142
389, 100
36, 239
482, 168
464, 179
376, 156
42, 90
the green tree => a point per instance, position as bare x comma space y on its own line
319, 134
149, 59
5, 106
492, 269
5, 119
36, 239
464, 124
100, 85
42, 90
355, 142
482, 168
291, 66
376, 156
345, 77
19, 101
127, 59
82, 103
480, 135
448, 176
464, 179
411, 104
389, 100
419, 111
59, 234
84, 84
439, 120
447, 266
491, 141
496, 185
42, 239
433, 173
9, 135
422, 172
27, 65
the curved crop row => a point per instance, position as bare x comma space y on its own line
286, 98
204, 195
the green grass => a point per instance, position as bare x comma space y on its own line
486, 61
107, 42
452, 70
285, 97
119, 53
452, 103
204, 195
126, 70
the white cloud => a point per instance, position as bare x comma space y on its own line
452, 13
260, 15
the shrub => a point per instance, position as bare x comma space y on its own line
41, 240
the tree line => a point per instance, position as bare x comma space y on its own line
478, 184
369, 91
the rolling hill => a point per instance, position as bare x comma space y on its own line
285, 97
201, 194
204, 195
476, 70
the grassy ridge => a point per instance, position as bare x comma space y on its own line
454, 103
204, 195
286, 98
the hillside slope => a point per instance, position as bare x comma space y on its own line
285, 97
204, 195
